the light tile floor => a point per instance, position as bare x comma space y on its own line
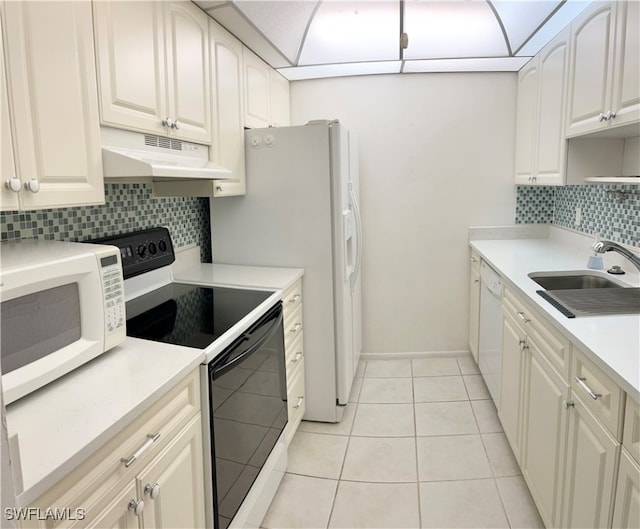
420, 446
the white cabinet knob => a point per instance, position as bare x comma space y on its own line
33, 185
167, 122
136, 506
153, 491
13, 184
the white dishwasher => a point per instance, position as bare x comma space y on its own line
490, 339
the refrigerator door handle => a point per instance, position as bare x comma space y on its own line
358, 222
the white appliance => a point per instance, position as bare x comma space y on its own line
490, 337
127, 154
301, 210
62, 305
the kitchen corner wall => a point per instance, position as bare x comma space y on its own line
611, 211
127, 207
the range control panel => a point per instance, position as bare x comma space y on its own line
142, 251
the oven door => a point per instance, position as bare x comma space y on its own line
248, 411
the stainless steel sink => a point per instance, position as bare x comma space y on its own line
587, 294
572, 282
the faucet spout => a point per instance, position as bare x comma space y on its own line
608, 246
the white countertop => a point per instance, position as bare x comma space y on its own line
613, 342
62, 424
238, 276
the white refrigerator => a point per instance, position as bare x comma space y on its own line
301, 210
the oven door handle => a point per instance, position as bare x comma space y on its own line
217, 371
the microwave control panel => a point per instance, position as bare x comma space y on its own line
113, 295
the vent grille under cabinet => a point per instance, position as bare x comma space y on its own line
162, 142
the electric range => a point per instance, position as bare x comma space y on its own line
243, 377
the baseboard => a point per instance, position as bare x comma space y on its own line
412, 355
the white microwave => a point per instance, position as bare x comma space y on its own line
61, 305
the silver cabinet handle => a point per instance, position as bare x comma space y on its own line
582, 382
300, 399
151, 438
602, 117
296, 328
136, 506
168, 122
32, 185
153, 491
218, 187
474, 260
175, 125
476, 281
298, 357
523, 317
13, 184
294, 298
569, 404
523, 345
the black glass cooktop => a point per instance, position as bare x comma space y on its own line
189, 315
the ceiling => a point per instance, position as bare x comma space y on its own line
307, 39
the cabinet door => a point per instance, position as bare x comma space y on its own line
590, 471
474, 312
132, 76
591, 69
117, 514
189, 89
228, 110
544, 429
256, 86
52, 89
626, 78
526, 123
626, 514
552, 88
280, 114
8, 198
172, 485
509, 408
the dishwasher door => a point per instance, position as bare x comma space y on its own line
490, 339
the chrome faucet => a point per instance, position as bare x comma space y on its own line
608, 246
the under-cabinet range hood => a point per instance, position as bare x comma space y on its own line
134, 156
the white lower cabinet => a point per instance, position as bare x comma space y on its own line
161, 487
627, 507
563, 417
592, 453
294, 357
544, 426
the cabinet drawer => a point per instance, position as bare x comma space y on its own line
554, 344
84, 487
295, 353
601, 395
296, 404
292, 299
292, 327
631, 435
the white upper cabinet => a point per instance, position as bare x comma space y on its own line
540, 141
227, 148
8, 198
153, 60
52, 97
603, 71
266, 96
280, 109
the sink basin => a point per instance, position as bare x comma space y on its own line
578, 281
587, 294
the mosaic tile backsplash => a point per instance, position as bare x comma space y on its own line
612, 211
127, 207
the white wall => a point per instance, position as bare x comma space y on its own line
436, 156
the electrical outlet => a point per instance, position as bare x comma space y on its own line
578, 219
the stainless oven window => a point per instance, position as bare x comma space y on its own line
38, 324
248, 408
